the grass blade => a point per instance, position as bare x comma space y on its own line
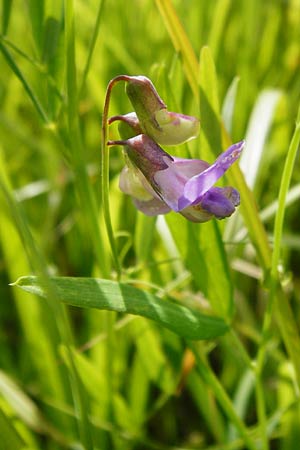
10, 438
17, 71
248, 209
258, 129
92, 46
180, 41
6, 12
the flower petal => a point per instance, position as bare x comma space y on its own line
196, 187
220, 202
172, 180
151, 207
190, 167
132, 182
173, 128
195, 213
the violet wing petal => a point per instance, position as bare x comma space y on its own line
190, 167
171, 181
169, 185
220, 202
196, 187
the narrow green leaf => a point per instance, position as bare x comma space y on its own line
17, 71
260, 123
36, 16
284, 314
10, 438
283, 191
213, 272
217, 29
210, 137
156, 364
93, 380
113, 296
53, 60
27, 412
206, 404
92, 46
216, 276
180, 41
144, 237
229, 104
139, 390
202, 249
6, 10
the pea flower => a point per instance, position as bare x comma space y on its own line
159, 182
151, 116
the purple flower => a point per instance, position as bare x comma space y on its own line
159, 182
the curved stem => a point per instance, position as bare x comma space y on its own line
105, 174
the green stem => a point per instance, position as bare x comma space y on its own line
236, 342
109, 318
105, 174
261, 412
221, 395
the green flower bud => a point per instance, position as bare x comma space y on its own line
164, 127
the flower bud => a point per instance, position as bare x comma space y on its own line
164, 127
129, 125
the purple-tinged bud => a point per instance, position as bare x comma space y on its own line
130, 120
164, 127
175, 128
144, 97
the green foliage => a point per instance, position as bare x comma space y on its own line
217, 365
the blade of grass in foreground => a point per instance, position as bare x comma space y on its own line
113, 296
278, 302
41, 339
36, 259
277, 298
